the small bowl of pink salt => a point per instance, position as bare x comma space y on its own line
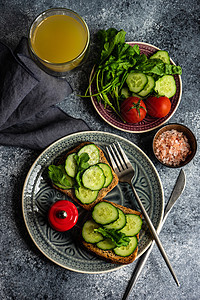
174, 145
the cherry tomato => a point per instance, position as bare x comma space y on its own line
158, 107
133, 110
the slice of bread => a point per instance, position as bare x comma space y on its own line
102, 193
109, 255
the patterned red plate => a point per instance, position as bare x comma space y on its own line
148, 123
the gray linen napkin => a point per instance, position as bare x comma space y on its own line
28, 115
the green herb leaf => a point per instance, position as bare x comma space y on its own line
158, 67
155, 66
59, 177
82, 164
82, 161
78, 179
109, 39
172, 70
119, 238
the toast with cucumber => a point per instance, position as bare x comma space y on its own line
112, 232
84, 174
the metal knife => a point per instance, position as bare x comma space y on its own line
177, 191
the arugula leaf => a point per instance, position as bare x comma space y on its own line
136, 49
155, 66
59, 177
172, 70
119, 238
158, 67
109, 39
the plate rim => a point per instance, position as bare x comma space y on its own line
46, 151
141, 131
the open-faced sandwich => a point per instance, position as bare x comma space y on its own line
84, 174
112, 232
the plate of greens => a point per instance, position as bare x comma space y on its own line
64, 248
110, 82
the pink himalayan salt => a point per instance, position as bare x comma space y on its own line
172, 147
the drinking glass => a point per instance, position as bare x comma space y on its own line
59, 40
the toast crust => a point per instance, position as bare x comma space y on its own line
109, 255
102, 193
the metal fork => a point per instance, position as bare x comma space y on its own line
125, 172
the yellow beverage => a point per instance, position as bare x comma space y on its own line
59, 40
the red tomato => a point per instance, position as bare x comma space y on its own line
133, 110
158, 107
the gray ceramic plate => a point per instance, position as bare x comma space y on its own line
38, 195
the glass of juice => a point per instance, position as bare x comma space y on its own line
59, 40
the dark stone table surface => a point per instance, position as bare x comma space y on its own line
25, 273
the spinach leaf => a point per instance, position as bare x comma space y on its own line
82, 161
78, 180
82, 164
119, 238
59, 177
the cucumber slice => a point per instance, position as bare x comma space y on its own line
93, 153
93, 178
166, 86
125, 92
88, 233
148, 87
134, 95
136, 82
70, 165
105, 213
133, 225
86, 196
127, 250
163, 55
107, 173
119, 223
106, 244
